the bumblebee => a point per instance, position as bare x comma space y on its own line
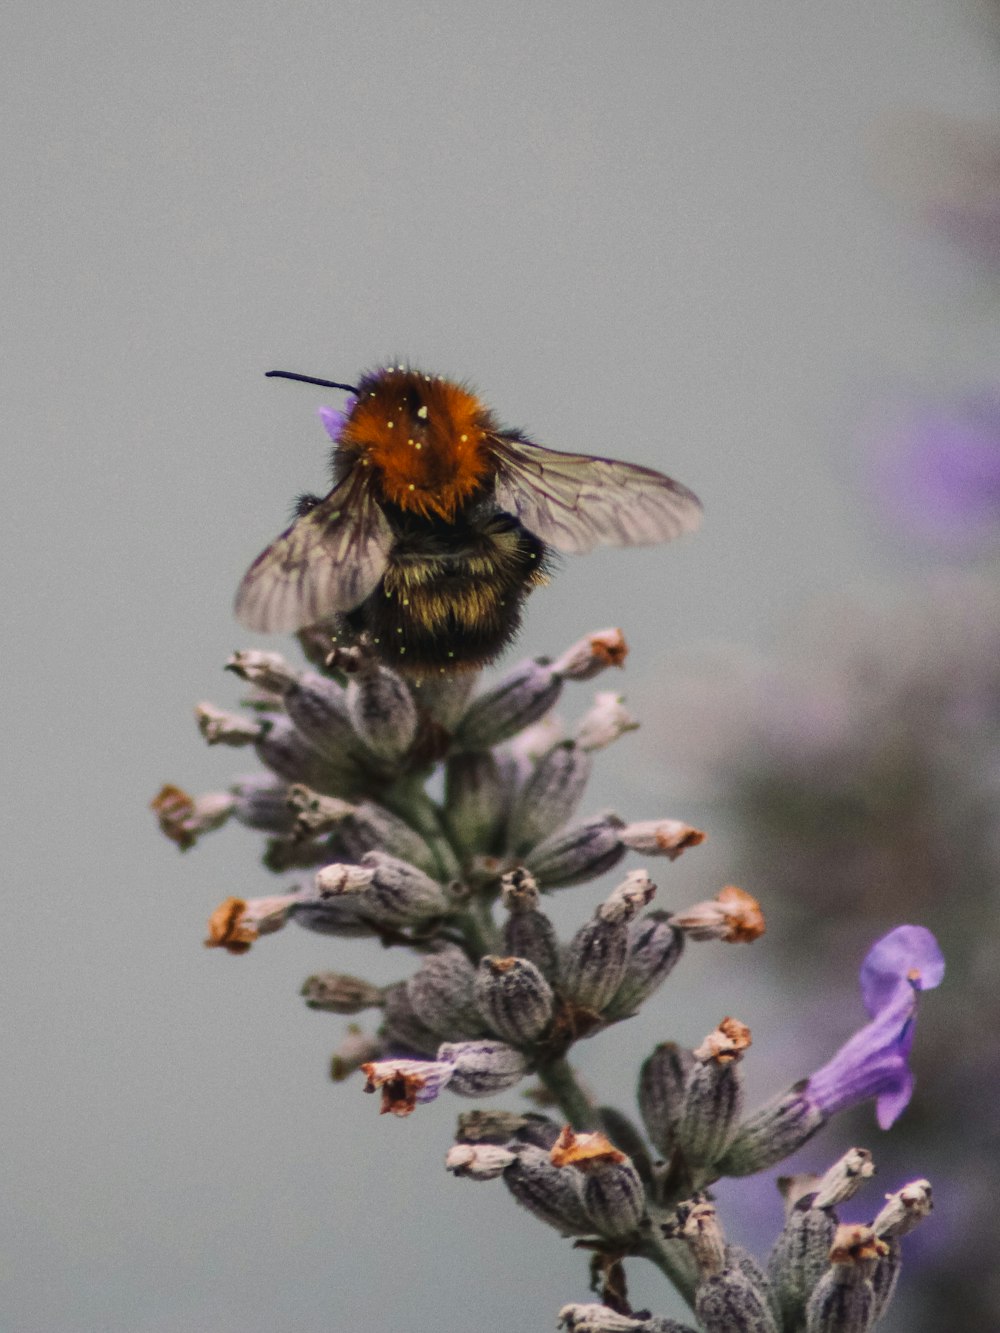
439, 523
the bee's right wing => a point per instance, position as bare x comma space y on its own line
329, 560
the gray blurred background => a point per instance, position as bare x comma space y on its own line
653, 230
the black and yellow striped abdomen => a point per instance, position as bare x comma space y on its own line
452, 594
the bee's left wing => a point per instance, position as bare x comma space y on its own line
329, 560
574, 502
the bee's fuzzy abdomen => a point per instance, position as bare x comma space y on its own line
454, 604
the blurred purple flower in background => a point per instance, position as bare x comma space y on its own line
947, 171
860, 771
936, 470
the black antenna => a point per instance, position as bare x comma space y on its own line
308, 379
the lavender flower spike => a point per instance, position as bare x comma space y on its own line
874, 1061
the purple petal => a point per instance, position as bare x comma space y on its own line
334, 421
889, 1105
872, 1063
938, 467
908, 954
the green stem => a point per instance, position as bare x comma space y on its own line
477, 941
672, 1257
409, 800
560, 1081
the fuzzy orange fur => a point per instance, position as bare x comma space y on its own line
427, 438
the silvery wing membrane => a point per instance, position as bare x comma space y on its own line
329, 560
575, 502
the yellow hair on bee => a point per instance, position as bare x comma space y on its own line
426, 438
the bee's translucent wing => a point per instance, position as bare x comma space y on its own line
329, 560
575, 502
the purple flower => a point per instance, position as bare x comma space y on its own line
939, 469
873, 1063
334, 420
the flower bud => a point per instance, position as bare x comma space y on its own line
478, 1161
405, 1083
382, 710
514, 998
338, 916
183, 818
602, 1319
730, 1302
262, 803
713, 1097
528, 933
441, 995
317, 706
221, 728
372, 828
443, 697
904, 1210
519, 698
799, 1259
491, 1126
356, 1049
662, 1083
313, 814
475, 801
285, 751
612, 1190
590, 656
338, 993
844, 1178
578, 853
483, 1068
662, 837
654, 947
773, 1132
606, 720
553, 1195
595, 959
401, 1027
268, 671
548, 797
843, 1300
732, 915
397, 893
237, 922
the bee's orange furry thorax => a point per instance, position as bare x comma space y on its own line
426, 437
